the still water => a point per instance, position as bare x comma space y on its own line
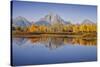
47, 50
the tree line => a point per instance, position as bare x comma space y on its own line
76, 28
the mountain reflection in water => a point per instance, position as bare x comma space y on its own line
47, 50
55, 42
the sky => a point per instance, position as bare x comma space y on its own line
33, 11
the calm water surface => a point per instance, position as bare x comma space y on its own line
32, 51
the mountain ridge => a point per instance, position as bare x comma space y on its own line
47, 20
21, 21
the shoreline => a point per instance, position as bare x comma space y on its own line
52, 35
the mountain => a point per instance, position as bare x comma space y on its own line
52, 18
67, 22
87, 21
42, 22
21, 21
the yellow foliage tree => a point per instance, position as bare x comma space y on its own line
33, 28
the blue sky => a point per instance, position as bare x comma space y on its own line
33, 11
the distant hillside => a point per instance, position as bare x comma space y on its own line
21, 21
87, 21
45, 23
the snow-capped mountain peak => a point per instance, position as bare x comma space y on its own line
53, 18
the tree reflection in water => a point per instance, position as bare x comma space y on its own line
55, 42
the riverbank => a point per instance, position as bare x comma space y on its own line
59, 35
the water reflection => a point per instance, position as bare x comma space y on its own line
19, 41
52, 42
47, 50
